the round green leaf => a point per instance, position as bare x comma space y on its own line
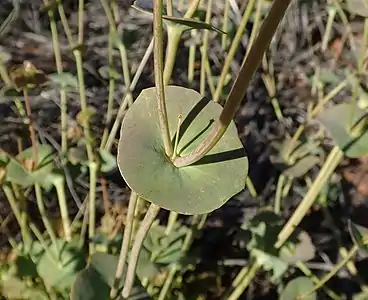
64, 80
301, 167
358, 7
59, 267
17, 173
96, 280
336, 121
195, 189
298, 287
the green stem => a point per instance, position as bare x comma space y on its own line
238, 279
159, 80
127, 98
169, 7
45, 220
278, 196
138, 241
328, 168
327, 33
171, 222
255, 28
241, 83
93, 168
17, 213
334, 270
192, 8
63, 97
191, 59
31, 128
355, 96
238, 291
167, 284
307, 272
173, 38
110, 101
125, 244
60, 190
205, 49
225, 21
233, 48
4, 74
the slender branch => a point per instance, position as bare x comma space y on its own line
241, 83
333, 271
159, 81
331, 163
125, 244
192, 8
32, 130
141, 234
233, 48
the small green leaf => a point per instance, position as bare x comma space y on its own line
16, 172
357, 7
15, 288
336, 121
177, 18
303, 251
64, 80
25, 267
146, 268
298, 287
85, 116
108, 161
302, 166
359, 235
96, 280
195, 189
270, 263
165, 249
109, 73
60, 270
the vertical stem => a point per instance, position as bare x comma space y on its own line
171, 222
225, 21
255, 28
324, 174
41, 208
173, 39
204, 49
159, 81
234, 46
93, 167
360, 70
125, 244
31, 128
278, 196
141, 234
327, 33
191, 59
60, 190
169, 279
124, 104
169, 7
192, 8
59, 68
17, 213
